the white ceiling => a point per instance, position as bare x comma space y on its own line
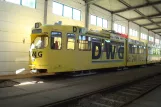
153, 0
151, 26
135, 2
112, 4
129, 14
148, 10
115, 5
159, 6
156, 19
158, 30
142, 21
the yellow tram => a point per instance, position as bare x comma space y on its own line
154, 54
136, 54
63, 48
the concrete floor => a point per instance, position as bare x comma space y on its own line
152, 99
35, 95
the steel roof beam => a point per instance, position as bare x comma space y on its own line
128, 5
139, 6
112, 12
115, 14
102, 8
158, 33
90, 1
148, 24
154, 7
155, 28
145, 17
150, 16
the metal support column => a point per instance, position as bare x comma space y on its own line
148, 36
87, 15
128, 26
112, 21
45, 11
139, 33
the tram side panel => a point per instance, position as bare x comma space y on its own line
63, 54
70, 51
136, 53
142, 55
150, 56
39, 53
131, 53
153, 54
157, 54
111, 54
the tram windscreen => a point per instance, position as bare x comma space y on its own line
40, 42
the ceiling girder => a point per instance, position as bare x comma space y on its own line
154, 7
158, 33
126, 4
137, 11
116, 14
155, 28
139, 6
90, 1
148, 24
102, 8
150, 16
132, 20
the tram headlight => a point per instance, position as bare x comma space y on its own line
32, 65
33, 71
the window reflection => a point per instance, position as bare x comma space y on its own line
29, 3
57, 8
14, 1
67, 12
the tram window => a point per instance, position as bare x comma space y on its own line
40, 42
157, 52
70, 41
103, 46
130, 48
141, 49
150, 51
84, 43
56, 40
144, 50
154, 52
133, 49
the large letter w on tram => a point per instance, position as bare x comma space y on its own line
109, 51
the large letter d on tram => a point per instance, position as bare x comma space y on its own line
94, 45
